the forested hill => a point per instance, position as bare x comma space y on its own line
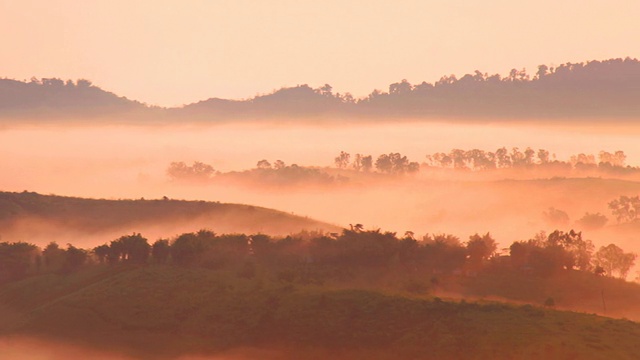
594, 89
53, 98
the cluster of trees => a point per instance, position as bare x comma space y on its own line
504, 158
548, 254
280, 173
18, 259
265, 173
392, 163
589, 221
197, 172
625, 209
356, 248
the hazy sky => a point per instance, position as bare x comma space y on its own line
174, 52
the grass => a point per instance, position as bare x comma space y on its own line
165, 311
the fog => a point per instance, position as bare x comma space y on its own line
130, 162
123, 161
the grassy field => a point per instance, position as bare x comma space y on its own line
167, 311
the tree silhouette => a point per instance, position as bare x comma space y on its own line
614, 260
132, 249
480, 248
263, 164
342, 160
160, 250
625, 208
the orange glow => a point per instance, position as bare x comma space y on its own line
172, 52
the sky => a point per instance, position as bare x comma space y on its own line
170, 53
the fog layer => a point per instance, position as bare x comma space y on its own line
130, 162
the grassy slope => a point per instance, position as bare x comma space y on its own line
157, 310
94, 215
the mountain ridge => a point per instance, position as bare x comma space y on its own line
608, 88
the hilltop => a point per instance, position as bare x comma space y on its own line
44, 218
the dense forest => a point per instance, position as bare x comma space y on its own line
433, 254
592, 89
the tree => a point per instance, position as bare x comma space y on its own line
592, 221
578, 251
584, 159
399, 163
617, 159
384, 164
413, 167
342, 160
395, 163
102, 252
367, 163
403, 87
503, 160
74, 259
556, 217
361, 162
54, 257
131, 249
614, 260
160, 250
326, 90
443, 253
278, 165
16, 259
459, 159
543, 156
186, 249
197, 172
625, 208
263, 164
543, 70
480, 248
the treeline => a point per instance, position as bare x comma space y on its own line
264, 173
314, 256
587, 89
503, 158
580, 90
279, 172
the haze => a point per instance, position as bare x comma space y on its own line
170, 53
131, 162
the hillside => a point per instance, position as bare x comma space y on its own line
586, 90
40, 219
55, 98
164, 312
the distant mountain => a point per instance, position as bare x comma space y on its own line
594, 89
57, 98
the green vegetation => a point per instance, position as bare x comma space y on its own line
161, 311
355, 294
